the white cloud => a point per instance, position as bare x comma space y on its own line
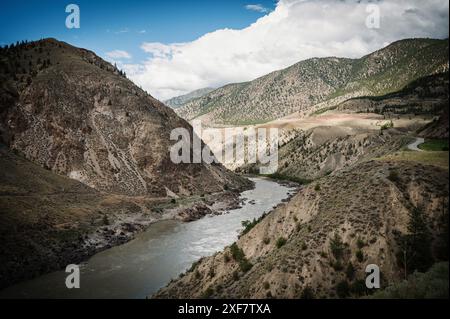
294, 31
257, 8
118, 54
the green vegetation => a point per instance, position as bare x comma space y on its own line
337, 246
432, 284
393, 176
359, 255
280, 242
415, 246
360, 243
435, 145
239, 256
282, 177
350, 271
343, 289
208, 293
248, 225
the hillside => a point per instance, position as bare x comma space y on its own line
75, 114
320, 82
84, 158
317, 244
48, 221
181, 100
359, 129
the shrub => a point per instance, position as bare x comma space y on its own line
266, 240
304, 246
432, 284
359, 288
337, 266
208, 293
359, 255
281, 242
393, 176
307, 293
239, 256
415, 246
266, 285
317, 187
360, 243
248, 225
323, 254
337, 246
343, 289
350, 271
245, 265
226, 257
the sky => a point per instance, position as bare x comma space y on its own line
172, 47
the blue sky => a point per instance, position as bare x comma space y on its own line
170, 47
124, 25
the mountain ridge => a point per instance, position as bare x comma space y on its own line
319, 82
179, 101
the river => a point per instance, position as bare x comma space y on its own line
162, 252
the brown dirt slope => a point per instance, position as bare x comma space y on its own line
77, 115
366, 205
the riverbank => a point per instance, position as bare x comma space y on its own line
159, 253
71, 227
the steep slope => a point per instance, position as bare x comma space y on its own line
75, 114
317, 83
48, 221
181, 100
428, 95
319, 243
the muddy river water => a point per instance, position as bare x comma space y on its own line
148, 262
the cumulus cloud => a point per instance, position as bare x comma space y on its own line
118, 54
294, 31
257, 8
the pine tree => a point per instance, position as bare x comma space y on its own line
416, 245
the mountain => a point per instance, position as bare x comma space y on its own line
320, 82
328, 144
77, 115
318, 244
181, 100
84, 158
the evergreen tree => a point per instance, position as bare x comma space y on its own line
415, 254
